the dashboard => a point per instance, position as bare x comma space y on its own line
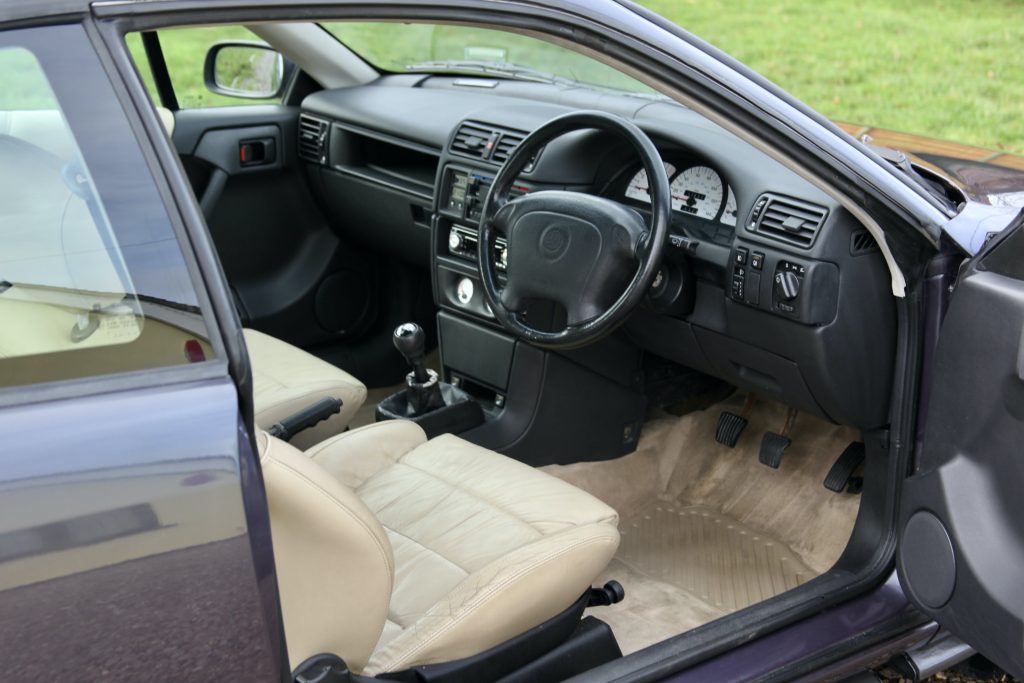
767, 282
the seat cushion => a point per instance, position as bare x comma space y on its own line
485, 547
287, 379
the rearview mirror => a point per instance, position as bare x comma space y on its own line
244, 69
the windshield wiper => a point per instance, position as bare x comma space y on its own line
502, 69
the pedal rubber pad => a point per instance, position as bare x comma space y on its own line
839, 476
773, 446
730, 426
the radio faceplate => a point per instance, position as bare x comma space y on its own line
463, 241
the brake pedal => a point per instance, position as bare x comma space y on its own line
731, 426
841, 477
773, 446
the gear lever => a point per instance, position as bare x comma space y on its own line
423, 388
410, 342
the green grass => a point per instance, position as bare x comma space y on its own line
949, 69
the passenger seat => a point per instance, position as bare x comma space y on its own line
287, 379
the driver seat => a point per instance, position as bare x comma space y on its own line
393, 551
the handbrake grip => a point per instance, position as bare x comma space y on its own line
306, 418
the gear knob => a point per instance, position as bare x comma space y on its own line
410, 342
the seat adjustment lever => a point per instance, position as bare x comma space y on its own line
608, 594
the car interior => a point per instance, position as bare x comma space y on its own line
675, 414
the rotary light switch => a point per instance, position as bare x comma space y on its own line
787, 285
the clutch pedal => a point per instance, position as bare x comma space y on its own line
731, 426
841, 477
773, 446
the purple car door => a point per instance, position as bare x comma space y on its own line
129, 498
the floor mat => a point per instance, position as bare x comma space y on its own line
725, 564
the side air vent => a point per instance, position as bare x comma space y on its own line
473, 140
787, 220
861, 242
313, 139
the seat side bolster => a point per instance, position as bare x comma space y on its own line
332, 556
354, 456
503, 599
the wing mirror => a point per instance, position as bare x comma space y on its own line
246, 69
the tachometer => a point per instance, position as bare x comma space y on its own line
640, 189
698, 191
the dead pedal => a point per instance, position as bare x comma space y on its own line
840, 477
773, 447
730, 426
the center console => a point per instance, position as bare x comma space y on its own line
539, 406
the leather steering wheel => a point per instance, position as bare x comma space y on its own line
592, 255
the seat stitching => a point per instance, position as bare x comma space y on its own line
482, 597
428, 548
472, 494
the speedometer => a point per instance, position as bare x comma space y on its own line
639, 187
698, 191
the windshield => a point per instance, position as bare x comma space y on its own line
441, 48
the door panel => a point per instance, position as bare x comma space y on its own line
961, 553
293, 278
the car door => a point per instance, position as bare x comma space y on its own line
961, 543
134, 537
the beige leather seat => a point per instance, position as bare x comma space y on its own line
394, 551
286, 379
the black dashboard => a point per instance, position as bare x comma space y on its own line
768, 283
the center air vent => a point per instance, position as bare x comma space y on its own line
481, 141
313, 139
473, 140
506, 144
787, 220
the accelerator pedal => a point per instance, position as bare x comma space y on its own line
773, 446
731, 426
840, 477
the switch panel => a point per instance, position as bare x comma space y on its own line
805, 291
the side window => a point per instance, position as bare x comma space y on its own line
184, 51
92, 278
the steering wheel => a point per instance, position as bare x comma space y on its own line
590, 254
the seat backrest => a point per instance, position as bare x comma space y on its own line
335, 567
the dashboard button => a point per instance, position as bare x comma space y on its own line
757, 260
741, 256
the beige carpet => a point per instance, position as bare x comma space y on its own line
706, 529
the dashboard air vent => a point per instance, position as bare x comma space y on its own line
506, 144
313, 139
473, 140
481, 141
787, 220
861, 242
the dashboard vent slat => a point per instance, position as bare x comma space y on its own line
473, 140
313, 134
493, 144
788, 220
506, 144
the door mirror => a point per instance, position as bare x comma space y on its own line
244, 69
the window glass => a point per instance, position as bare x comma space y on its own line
184, 52
92, 279
442, 48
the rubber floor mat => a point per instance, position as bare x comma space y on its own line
710, 555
